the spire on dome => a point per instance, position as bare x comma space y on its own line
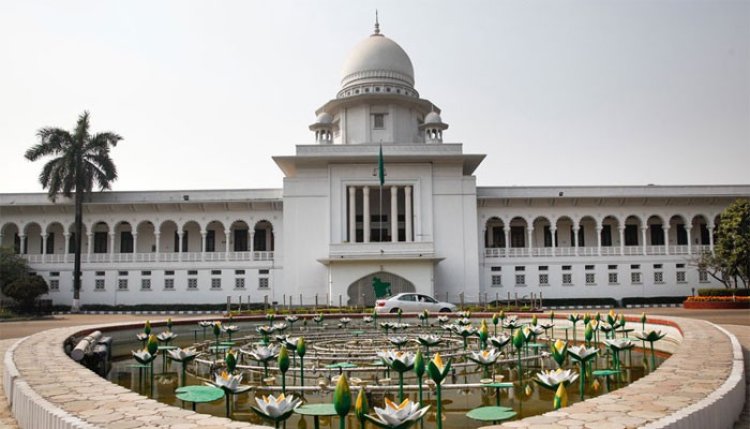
377, 24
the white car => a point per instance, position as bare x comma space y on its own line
413, 303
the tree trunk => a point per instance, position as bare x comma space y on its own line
75, 308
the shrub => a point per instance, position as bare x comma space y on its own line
723, 292
25, 290
640, 300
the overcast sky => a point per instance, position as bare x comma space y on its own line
554, 92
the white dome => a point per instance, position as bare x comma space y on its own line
324, 119
377, 59
433, 118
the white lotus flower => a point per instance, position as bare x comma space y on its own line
143, 357
399, 361
318, 318
265, 330
465, 331
398, 341
443, 319
367, 319
485, 357
166, 336
183, 355
387, 325
450, 327
345, 320
619, 344
229, 328
582, 353
429, 340
262, 353
401, 326
230, 382
546, 325
291, 318
282, 338
553, 378
141, 336
500, 340
205, 323
535, 330
280, 326
511, 323
464, 321
395, 415
464, 314
277, 407
291, 343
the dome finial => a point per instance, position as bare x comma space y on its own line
377, 24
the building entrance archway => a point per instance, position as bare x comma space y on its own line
362, 293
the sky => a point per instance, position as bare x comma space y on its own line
553, 92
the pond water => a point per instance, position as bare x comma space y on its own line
357, 344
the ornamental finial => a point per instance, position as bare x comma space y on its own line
377, 24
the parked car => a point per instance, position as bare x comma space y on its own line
412, 303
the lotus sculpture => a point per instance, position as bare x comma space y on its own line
438, 370
397, 416
552, 379
184, 357
651, 337
230, 384
263, 354
276, 409
399, 362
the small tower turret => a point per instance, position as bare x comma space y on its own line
433, 128
323, 128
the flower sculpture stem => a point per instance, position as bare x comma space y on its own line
438, 371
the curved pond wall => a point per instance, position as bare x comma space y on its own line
700, 386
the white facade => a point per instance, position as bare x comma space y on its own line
332, 227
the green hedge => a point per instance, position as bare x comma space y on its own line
723, 292
640, 300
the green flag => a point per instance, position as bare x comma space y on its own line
381, 167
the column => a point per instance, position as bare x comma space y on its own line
135, 244
552, 232
688, 228
44, 245
90, 244
394, 214
252, 241
111, 246
710, 237
576, 228
22, 237
66, 240
179, 244
665, 230
366, 213
599, 240
157, 236
643, 237
530, 235
203, 244
352, 214
622, 239
506, 230
228, 235
408, 215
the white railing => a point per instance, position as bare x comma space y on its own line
656, 250
633, 250
516, 252
214, 256
678, 250
98, 257
191, 256
169, 257
263, 256
565, 251
494, 252
587, 251
401, 248
123, 257
241, 256
610, 251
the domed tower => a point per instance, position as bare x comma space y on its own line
377, 102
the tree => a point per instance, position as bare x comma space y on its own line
78, 160
730, 261
12, 267
25, 290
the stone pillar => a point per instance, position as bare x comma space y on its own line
352, 214
665, 230
643, 237
530, 236
408, 215
576, 228
552, 232
44, 244
89, 243
688, 228
506, 230
251, 245
157, 237
135, 243
22, 238
710, 237
366, 213
111, 246
394, 214
622, 239
599, 230
228, 235
180, 234
66, 241
203, 244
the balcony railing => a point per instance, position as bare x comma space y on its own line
405, 249
515, 252
99, 258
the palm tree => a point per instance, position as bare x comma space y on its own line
79, 160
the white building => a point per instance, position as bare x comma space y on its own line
332, 227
